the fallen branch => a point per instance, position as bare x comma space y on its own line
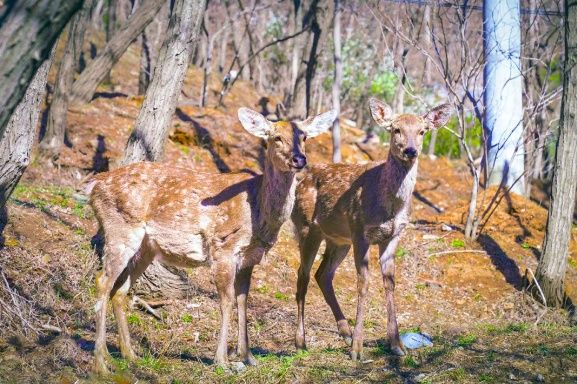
457, 251
144, 305
542, 296
51, 328
16, 310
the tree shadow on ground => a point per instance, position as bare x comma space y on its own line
501, 261
99, 161
108, 95
205, 139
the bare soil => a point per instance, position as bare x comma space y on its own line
467, 295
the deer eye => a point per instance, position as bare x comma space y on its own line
304, 138
422, 133
278, 139
397, 131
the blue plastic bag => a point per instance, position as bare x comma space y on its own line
414, 340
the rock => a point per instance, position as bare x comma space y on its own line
446, 228
237, 366
367, 361
512, 377
540, 378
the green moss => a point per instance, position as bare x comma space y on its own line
281, 296
457, 243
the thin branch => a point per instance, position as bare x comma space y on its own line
456, 251
257, 52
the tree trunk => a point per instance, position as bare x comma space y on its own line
223, 49
84, 88
56, 124
111, 24
145, 65
207, 67
16, 145
503, 94
153, 122
149, 135
28, 31
300, 106
553, 263
337, 158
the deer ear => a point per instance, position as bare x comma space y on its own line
314, 126
438, 116
381, 112
255, 123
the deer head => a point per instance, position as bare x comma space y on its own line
285, 140
407, 130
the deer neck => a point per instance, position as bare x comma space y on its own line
398, 178
276, 200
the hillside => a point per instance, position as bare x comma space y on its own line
467, 295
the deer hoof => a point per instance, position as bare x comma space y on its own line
250, 360
300, 345
348, 340
356, 356
100, 366
397, 351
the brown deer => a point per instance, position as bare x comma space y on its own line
360, 205
151, 211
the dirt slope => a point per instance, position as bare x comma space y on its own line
466, 294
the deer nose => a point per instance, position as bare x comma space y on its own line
299, 161
410, 152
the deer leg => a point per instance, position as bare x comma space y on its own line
387, 261
242, 287
333, 257
117, 255
309, 245
104, 284
103, 287
361, 251
119, 300
224, 276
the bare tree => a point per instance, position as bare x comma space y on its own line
553, 263
16, 145
147, 140
28, 30
316, 20
56, 124
337, 82
503, 119
85, 86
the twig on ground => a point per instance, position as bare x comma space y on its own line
456, 251
428, 241
144, 305
542, 296
51, 328
16, 310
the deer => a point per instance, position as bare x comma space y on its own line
228, 222
358, 205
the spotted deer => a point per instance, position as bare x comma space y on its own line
150, 211
360, 205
